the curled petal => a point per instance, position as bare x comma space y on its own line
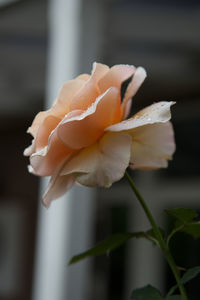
44, 131
58, 186
33, 129
88, 94
55, 111
152, 147
98, 71
29, 150
30, 169
84, 77
155, 113
84, 130
138, 78
68, 91
41, 138
45, 161
103, 163
61, 105
115, 76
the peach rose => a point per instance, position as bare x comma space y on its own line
84, 138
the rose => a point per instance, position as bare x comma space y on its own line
84, 138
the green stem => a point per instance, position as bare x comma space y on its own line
159, 236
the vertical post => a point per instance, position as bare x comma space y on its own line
66, 227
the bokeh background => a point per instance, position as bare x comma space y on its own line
42, 44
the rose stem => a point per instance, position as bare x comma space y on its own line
158, 234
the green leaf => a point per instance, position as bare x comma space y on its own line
124, 86
171, 291
192, 229
146, 293
184, 222
184, 215
174, 297
111, 243
190, 274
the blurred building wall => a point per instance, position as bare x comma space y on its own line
163, 37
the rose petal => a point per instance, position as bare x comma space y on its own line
39, 118
84, 130
88, 94
68, 91
29, 150
55, 111
84, 77
30, 169
115, 76
155, 113
42, 136
103, 163
58, 186
134, 85
153, 145
61, 105
45, 161
44, 131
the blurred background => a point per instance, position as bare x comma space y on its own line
44, 43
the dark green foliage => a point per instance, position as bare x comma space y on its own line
147, 292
